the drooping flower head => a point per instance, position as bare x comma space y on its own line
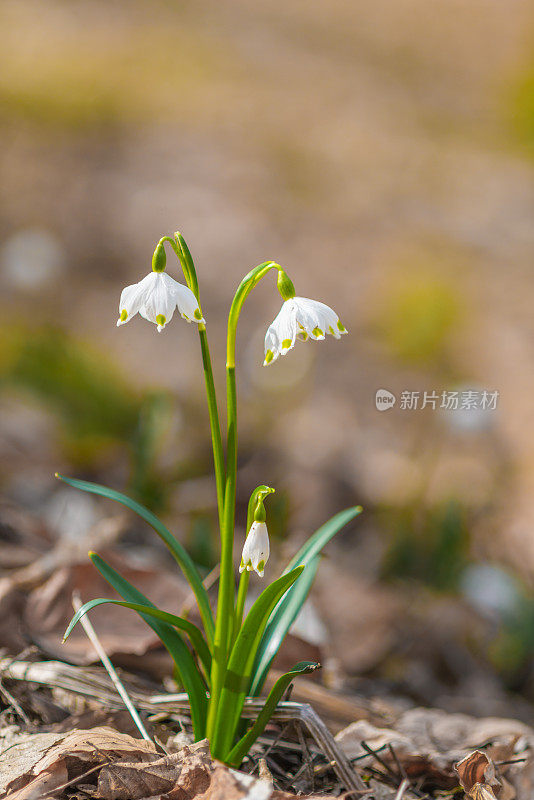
157, 296
299, 318
256, 549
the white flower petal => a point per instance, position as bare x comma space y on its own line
155, 298
271, 346
130, 302
187, 302
282, 332
256, 549
300, 318
160, 301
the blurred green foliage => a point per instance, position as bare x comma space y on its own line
119, 79
99, 412
512, 650
419, 312
520, 102
202, 540
427, 544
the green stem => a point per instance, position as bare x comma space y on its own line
181, 249
216, 439
244, 289
244, 579
226, 579
225, 605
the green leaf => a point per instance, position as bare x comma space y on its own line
287, 610
237, 679
185, 664
279, 623
195, 635
238, 753
180, 554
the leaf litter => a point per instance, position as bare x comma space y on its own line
63, 733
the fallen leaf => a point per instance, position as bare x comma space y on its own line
125, 637
185, 773
478, 778
36, 755
428, 742
475, 768
45, 783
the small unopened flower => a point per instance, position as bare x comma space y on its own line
300, 318
256, 549
155, 298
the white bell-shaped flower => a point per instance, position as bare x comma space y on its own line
300, 318
256, 549
155, 298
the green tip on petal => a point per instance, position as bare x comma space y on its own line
197, 314
161, 319
341, 328
331, 330
317, 332
269, 355
261, 566
286, 344
124, 315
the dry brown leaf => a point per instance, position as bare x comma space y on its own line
427, 742
477, 767
478, 778
185, 774
123, 634
480, 792
37, 755
44, 783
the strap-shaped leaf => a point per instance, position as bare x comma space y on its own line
180, 554
185, 664
238, 753
237, 679
287, 610
195, 635
278, 625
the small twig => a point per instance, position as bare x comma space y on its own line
110, 669
402, 772
90, 684
384, 777
14, 703
379, 759
366, 755
402, 789
307, 758
77, 779
276, 740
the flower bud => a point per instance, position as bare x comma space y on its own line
159, 259
256, 548
285, 285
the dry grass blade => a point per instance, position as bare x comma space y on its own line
95, 684
110, 669
402, 789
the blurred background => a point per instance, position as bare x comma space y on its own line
383, 153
